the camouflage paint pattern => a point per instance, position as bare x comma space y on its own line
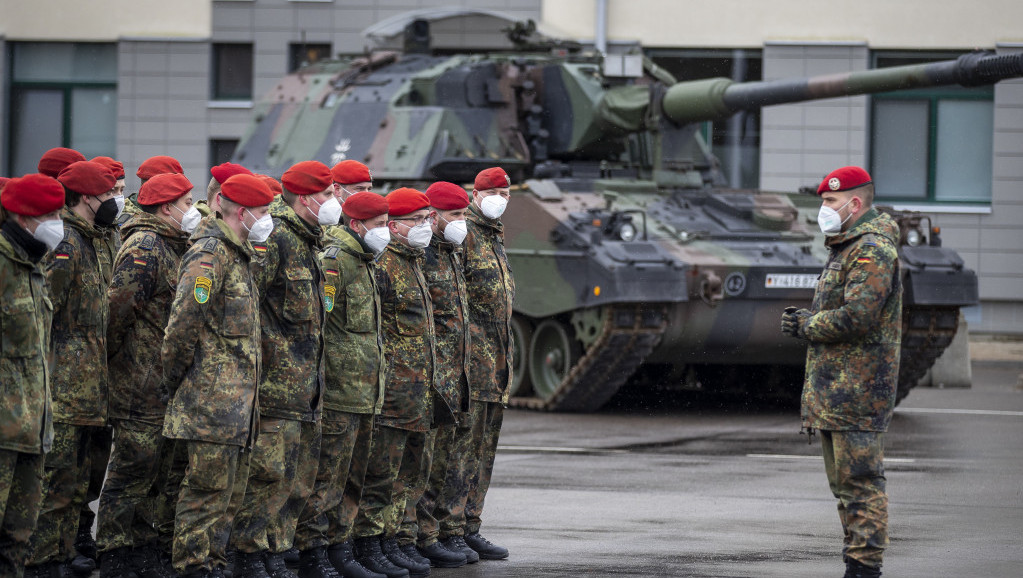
21, 494
376, 512
340, 430
413, 475
486, 421
126, 509
854, 462
442, 269
165, 491
342, 519
441, 511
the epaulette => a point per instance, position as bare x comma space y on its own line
210, 245
870, 239
331, 252
148, 242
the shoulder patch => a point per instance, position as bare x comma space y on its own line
203, 285
148, 242
331, 252
210, 245
870, 239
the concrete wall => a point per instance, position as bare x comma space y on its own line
102, 20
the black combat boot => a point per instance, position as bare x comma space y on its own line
343, 559
117, 563
457, 544
86, 552
855, 569
276, 567
441, 557
49, 570
313, 563
485, 548
413, 554
249, 565
393, 552
147, 562
369, 554
291, 557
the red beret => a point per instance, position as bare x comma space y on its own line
447, 196
55, 159
404, 201
492, 178
163, 188
364, 205
115, 166
224, 171
87, 178
307, 178
274, 184
32, 195
348, 172
247, 191
158, 165
844, 179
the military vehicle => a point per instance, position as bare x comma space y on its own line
632, 259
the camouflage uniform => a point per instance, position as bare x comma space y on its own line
404, 420
354, 388
441, 507
285, 457
211, 363
852, 370
144, 284
26, 427
77, 273
491, 289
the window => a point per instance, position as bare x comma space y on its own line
61, 94
934, 144
232, 72
221, 150
302, 54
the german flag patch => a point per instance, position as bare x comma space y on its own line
140, 262
62, 256
330, 272
864, 260
259, 248
206, 265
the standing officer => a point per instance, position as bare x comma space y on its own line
31, 228
351, 177
854, 328
440, 509
77, 273
491, 290
284, 461
140, 296
211, 363
354, 379
218, 175
57, 159
158, 165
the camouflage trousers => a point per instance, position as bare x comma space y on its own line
65, 482
854, 462
341, 520
392, 457
281, 479
99, 456
441, 510
21, 494
485, 423
340, 431
127, 504
209, 497
174, 462
413, 478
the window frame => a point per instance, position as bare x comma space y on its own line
215, 75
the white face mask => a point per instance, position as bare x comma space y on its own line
455, 231
50, 233
377, 239
189, 219
420, 235
261, 229
830, 221
330, 211
119, 199
493, 206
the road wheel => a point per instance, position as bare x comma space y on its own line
521, 335
552, 353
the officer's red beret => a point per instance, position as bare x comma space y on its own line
224, 171
274, 184
115, 166
163, 188
87, 178
492, 178
247, 191
844, 179
32, 195
348, 172
447, 196
364, 205
307, 178
404, 201
158, 165
54, 160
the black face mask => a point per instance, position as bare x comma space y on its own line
107, 213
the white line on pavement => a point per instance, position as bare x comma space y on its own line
958, 411
792, 457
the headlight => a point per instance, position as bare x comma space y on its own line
914, 237
627, 232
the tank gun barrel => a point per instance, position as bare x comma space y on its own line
718, 98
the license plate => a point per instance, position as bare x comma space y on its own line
791, 281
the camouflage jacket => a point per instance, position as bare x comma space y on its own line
354, 342
852, 364
140, 295
211, 347
78, 279
443, 272
290, 284
407, 320
26, 414
491, 289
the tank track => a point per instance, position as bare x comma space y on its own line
612, 359
926, 332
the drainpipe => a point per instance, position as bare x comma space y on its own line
600, 35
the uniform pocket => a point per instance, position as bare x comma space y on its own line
359, 309
299, 299
410, 313
20, 331
237, 320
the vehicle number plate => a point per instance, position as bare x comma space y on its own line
791, 281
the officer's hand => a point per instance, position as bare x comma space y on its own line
792, 321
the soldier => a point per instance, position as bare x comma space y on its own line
440, 509
400, 431
351, 177
286, 455
491, 289
854, 328
77, 273
158, 165
218, 175
140, 296
211, 365
57, 159
31, 228
354, 379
